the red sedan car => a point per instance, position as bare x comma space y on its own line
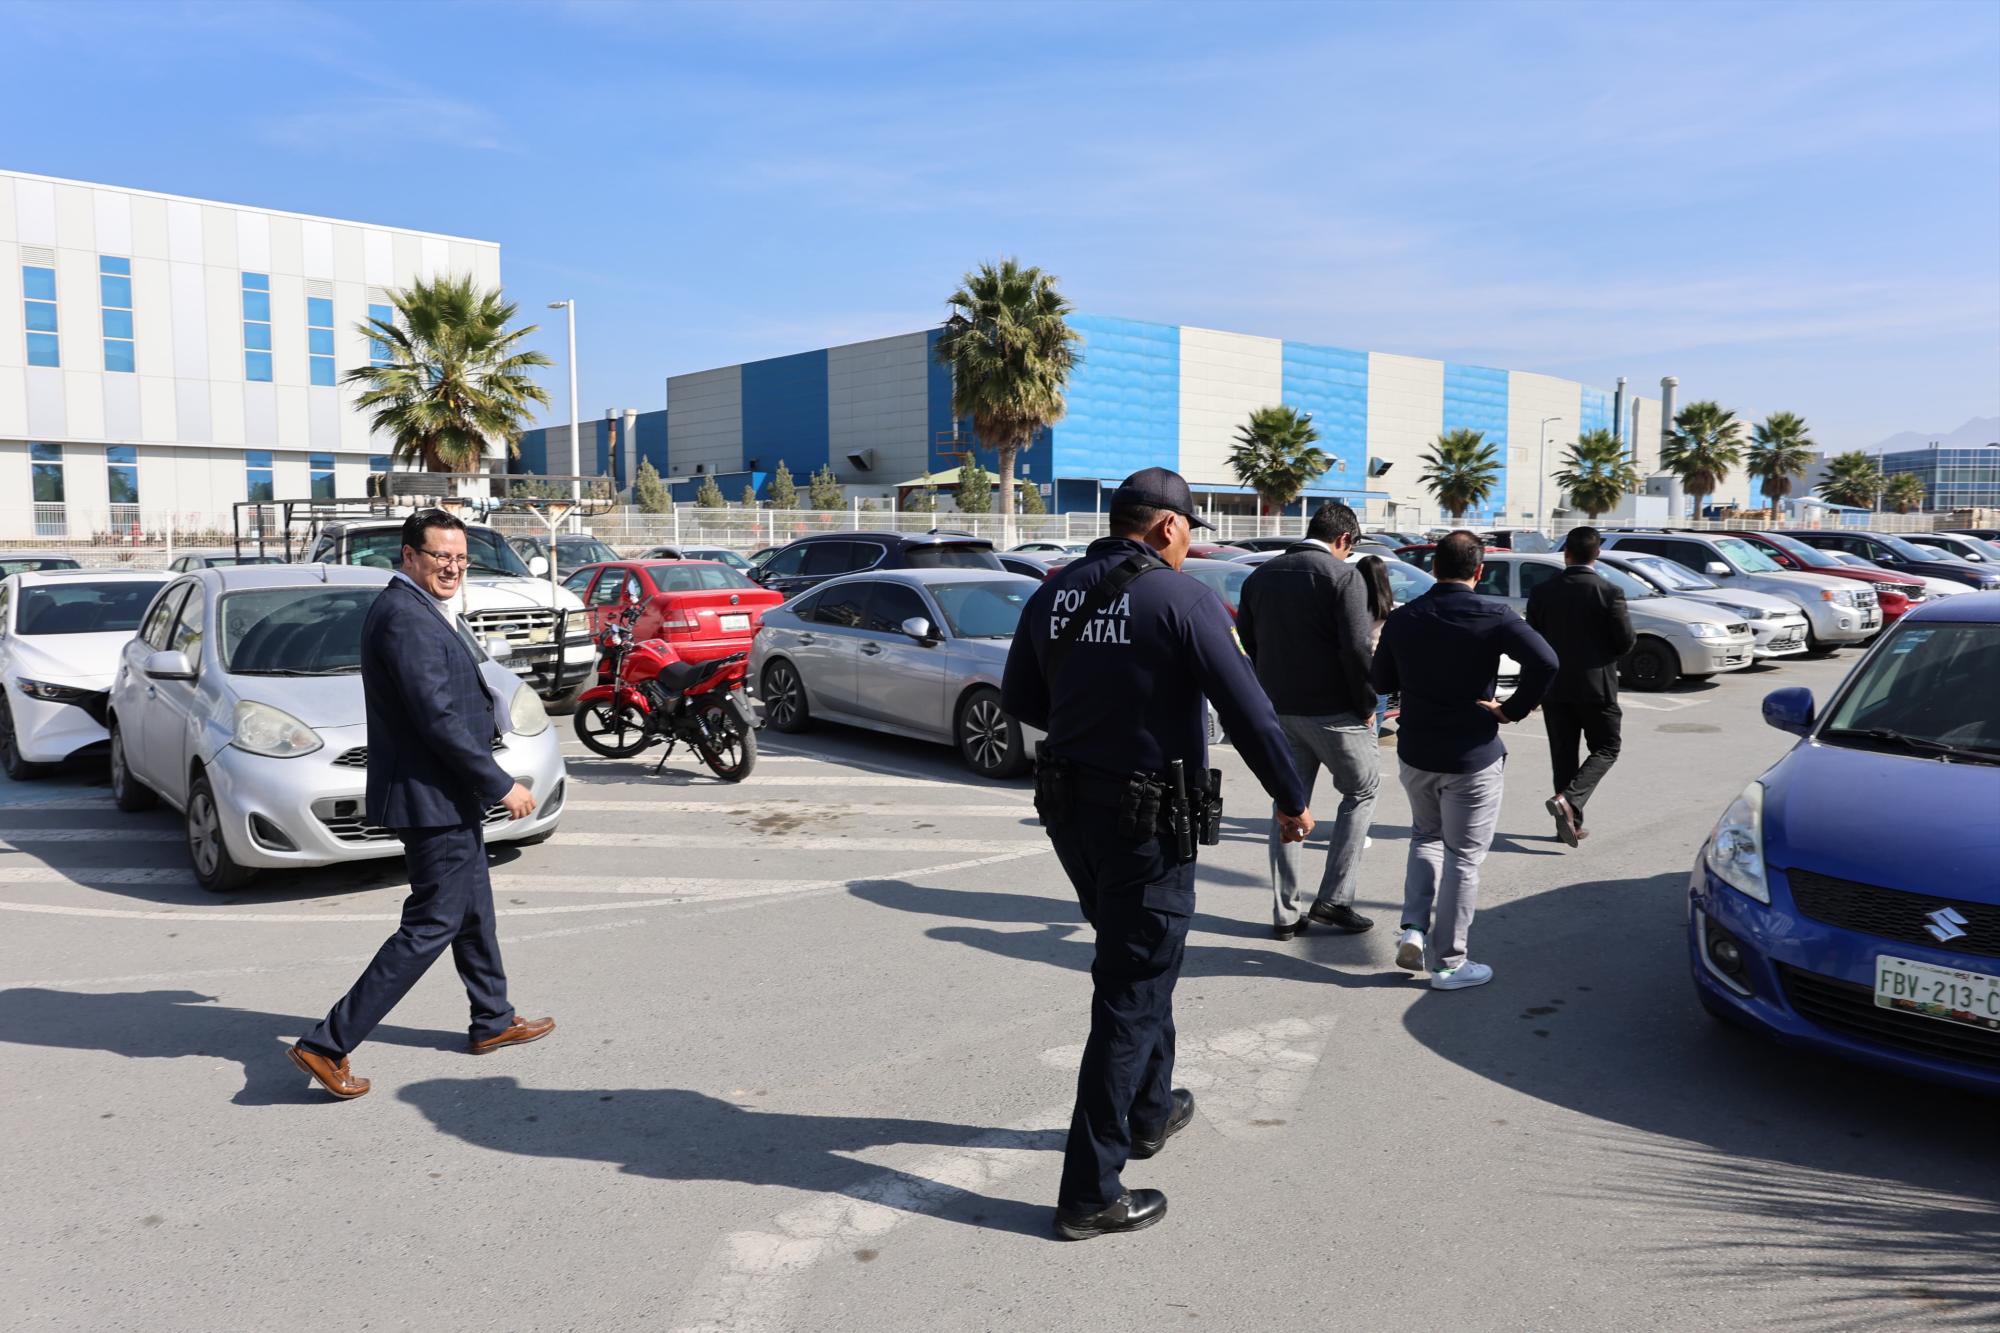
1896, 593
703, 608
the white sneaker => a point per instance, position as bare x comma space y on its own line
1410, 950
1467, 973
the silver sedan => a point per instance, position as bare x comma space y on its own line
914, 652
240, 704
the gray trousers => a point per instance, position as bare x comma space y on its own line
1451, 825
1346, 746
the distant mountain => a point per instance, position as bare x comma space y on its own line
1978, 431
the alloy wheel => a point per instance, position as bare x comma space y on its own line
986, 740
204, 833
781, 695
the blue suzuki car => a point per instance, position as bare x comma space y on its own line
1849, 900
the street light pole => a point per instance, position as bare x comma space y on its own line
575, 453
1542, 473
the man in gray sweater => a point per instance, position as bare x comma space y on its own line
1303, 619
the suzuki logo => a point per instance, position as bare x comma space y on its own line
1946, 924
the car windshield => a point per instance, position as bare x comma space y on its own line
951, 557
1847, 558
311, 630
82, 608
31, 565
1634, 589
988, 609
1747, 556
576, 552
1407, 582
1796, 549
1909, 550
697, 578
220, 560
382, 548
1670, 574
1225, 578
730, 558
1928, 691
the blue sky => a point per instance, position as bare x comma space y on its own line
1786, 206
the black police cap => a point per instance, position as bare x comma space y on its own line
1159, 488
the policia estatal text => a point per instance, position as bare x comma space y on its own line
1112, 660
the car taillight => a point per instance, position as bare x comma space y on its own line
680, 621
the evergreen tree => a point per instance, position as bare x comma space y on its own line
784, 492
824, 491
867, 505
975, 488
922, 502
1031, 499
650, 493
749, 500
710, 494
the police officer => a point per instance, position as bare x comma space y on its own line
1112, 660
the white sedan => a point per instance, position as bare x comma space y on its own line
60, 636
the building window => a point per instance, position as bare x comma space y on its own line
114, 294
378, 462
38, 291
122, 466
257, 475
45, 463
257, 327
322, 475
381, 353
319, 339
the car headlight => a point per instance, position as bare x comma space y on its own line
525, 715
49, 692
1705, 630
1735, 851
272, 732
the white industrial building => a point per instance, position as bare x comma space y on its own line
162, 358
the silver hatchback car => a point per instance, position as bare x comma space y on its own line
240, 704
913, 652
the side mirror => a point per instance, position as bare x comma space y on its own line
1716, 568
1790, 709
920, 629
538, 566
497, 648
169, 666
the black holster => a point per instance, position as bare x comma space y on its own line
1139, 807
1208, 811
1055, 791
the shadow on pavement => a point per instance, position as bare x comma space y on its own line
680, 1134
181, 1024
1779, 1162
1065, 941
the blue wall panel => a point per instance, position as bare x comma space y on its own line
1124, 400
1332, 384
1031, 464
785, 413
1475, 398
532, 458
653, 440
1594, 411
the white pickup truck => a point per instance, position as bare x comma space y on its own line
501, 598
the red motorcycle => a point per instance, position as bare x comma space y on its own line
645, 693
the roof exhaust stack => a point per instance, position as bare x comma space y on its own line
1667, 386
1618, 410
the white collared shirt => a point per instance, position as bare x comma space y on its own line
443, 607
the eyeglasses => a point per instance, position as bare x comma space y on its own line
447, 561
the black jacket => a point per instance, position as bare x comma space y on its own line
1303, 618
1443, 652
1583, 618
1129, 696
431, 720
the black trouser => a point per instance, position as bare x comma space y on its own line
450, 906
1595, 725
1140, 903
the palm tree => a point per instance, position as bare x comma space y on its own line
1905, 491
1461, 470
1274, 456
1851, 479
1597, 472
455, 379
1706, 442
1780, 450
1010, 349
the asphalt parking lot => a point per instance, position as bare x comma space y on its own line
817, 1035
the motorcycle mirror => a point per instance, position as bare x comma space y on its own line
919, 629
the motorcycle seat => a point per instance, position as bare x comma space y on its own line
682, 676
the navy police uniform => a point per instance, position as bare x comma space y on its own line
1126, 699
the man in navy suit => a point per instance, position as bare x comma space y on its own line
431, 778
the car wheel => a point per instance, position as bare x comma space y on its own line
214, 868
784, 696
130, 794
1818, 647
19, 769
988, 740
1652, 666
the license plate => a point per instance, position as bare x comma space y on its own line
1970, 998
736, 622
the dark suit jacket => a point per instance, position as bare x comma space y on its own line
430, 718
1443, 653
1303, 619
1583, 618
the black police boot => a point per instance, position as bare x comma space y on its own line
1145, 1145
1134, 1210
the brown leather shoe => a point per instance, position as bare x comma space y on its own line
519, 1031
333, 1075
